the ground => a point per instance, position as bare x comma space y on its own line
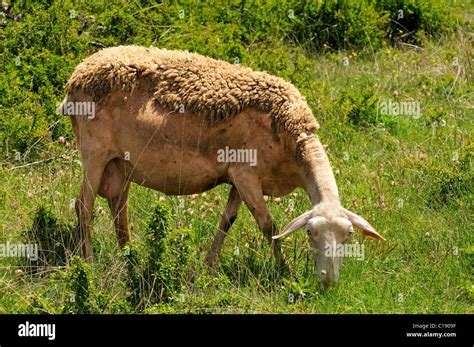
409, 173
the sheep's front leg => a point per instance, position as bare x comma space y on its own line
250, 190
228, 217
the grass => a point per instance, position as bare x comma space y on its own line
411, 177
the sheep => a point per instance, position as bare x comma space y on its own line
161, 119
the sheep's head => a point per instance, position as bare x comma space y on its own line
328, 230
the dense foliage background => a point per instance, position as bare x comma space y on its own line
411, 175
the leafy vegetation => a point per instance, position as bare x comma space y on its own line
409, 173
158, 277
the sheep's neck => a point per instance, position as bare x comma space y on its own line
320, 183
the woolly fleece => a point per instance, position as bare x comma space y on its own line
204, 86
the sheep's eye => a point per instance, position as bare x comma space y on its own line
351, 232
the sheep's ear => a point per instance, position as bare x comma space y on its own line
295, 224
361, 223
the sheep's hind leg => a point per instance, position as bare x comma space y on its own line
119, 208
228, 217
114, 186
93, 167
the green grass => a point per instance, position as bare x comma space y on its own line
410, 177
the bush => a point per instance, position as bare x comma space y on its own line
56, 241
411, 20
339, 24
361, 109
158, 277
82, 296
157, 271
78, 292
134, 280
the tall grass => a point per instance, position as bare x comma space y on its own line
410, 176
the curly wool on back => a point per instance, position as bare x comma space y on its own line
204, 86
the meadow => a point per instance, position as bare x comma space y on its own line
392, 91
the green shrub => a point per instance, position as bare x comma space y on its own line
134, 281
38, 58
177, 255
361, 109
156, 276
56, 241
157, 270
339, 24
79, 299
412, 20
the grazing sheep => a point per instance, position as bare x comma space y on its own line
163, 116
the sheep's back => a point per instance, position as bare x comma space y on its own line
201, 85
